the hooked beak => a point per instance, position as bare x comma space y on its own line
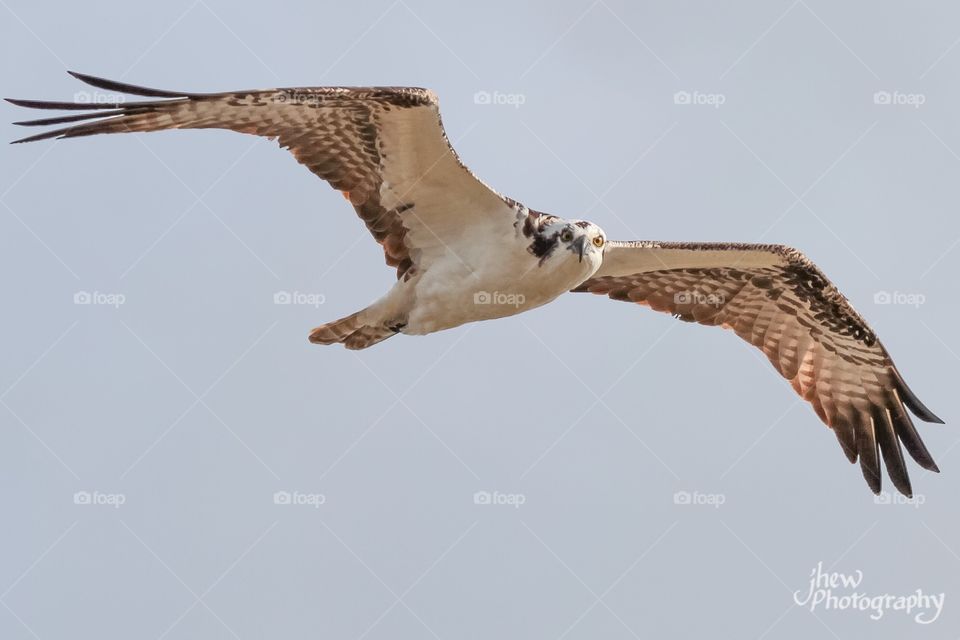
580, 244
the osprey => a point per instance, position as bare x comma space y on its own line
464, 253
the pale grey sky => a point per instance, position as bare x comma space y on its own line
197, 399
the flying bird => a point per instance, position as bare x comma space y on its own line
463, 252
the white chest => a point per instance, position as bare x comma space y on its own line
468, 286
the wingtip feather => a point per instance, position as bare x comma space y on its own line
123, 87
913, 402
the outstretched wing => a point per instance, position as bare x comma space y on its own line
776, 299
384, 147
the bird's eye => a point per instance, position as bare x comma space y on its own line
598, 241
566, 235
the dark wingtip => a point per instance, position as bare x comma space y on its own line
913, 402
872, 476
86, 77
71, 106
869, 453
42, 122
81, 76
40, 136
906, 489
123, 87
923, 413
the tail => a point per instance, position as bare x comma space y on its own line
352, 332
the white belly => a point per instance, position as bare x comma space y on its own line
450, 294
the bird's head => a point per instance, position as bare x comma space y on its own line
557, 242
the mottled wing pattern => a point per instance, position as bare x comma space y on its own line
384, 147
776, 299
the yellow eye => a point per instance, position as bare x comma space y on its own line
598, 241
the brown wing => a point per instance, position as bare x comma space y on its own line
776, 299
384, 147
